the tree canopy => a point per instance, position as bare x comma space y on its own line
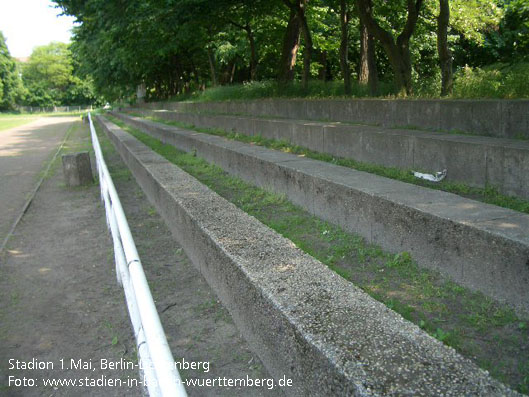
179, 46
49, 78
11, 90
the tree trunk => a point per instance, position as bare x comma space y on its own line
253, 53
290, 48
253, 49
398, 52
363, 69
445, 55
372, 65
232, 73
400, 59
307, 38
344, 47
298, 8
367, 73
212, 67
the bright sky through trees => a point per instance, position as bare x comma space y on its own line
30, 23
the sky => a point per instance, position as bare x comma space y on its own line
30, 23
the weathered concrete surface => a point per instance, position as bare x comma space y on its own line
481, 246
23, 152
77, 169
500, 118
474, 160
302, 319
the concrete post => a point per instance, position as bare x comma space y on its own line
77, 169
141, 91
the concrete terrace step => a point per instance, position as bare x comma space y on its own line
303, 320
481, 246
474, 160
497, 117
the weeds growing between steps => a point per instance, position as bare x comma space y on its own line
489, 195
479, 328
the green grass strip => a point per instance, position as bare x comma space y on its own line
489, 195
473, 324
8, 123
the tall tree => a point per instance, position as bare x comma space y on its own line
445, 55
397, 50
367, 73
244, 15
290, 48
345, 16
299, 8
212, 65
48, 74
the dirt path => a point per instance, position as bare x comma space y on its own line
59, 298
23, 150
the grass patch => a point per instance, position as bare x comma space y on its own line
489, 195
14, 121
271, 89
11, 120
479, 328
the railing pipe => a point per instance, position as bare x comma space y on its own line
165, 379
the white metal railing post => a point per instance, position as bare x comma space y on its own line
160, 370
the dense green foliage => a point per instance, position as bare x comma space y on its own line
175, 47
11, 89
50, 80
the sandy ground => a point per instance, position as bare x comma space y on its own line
23, 151
59, 300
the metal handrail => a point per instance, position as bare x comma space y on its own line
157, 361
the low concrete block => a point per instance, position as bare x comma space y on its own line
515, 120
464, 159
273, 129
387, 148
311, 134
286, 108
373, 112
344, 110
396, 114
243, 125
456, 116
77, 169
515, 182
232, 107
419, 113
304, 321
317, 110
343, 140
487, 118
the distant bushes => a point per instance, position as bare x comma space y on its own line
494, 81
